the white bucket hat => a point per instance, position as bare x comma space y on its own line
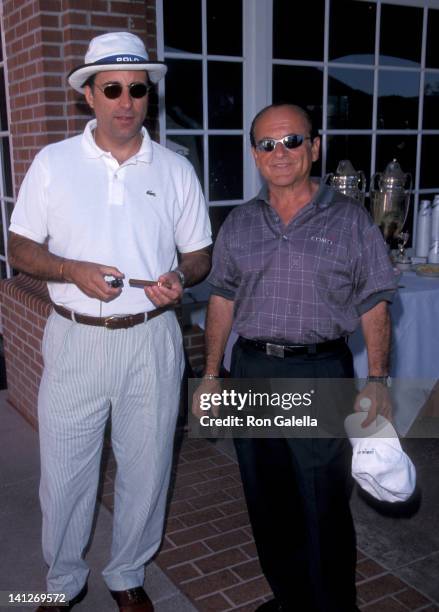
115, 51
379, 464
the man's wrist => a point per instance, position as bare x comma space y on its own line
209, 376
64, 271
181, 276
384, 380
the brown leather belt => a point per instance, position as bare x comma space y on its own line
112, 322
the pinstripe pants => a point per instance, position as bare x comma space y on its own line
89, 373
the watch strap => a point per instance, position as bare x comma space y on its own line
384, 380
181, 276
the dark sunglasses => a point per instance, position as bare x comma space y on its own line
114, 90
290, 141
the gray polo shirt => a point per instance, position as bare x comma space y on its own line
308, 281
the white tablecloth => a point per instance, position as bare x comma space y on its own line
415, 331
414, 358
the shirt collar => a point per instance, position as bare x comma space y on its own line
144, 154
323, 197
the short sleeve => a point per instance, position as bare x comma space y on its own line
375, 279
29, 217
192, 230
224, 277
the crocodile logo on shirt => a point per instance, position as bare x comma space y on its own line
151, 193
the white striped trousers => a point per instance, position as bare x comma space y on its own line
90, 373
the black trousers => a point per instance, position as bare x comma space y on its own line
297, 493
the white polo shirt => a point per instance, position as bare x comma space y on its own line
134, 216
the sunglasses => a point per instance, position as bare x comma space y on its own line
112, 91
291, 141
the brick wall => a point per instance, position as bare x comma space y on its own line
25, 307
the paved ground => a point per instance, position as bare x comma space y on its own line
21, 563
208, 553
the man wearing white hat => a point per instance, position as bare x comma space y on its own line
93, 210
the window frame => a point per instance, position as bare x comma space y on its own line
6, 200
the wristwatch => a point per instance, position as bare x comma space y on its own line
384, 380
181, 276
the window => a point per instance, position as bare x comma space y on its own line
203, 48
6, 183
367, 71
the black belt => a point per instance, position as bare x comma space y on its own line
112, 322
280, 350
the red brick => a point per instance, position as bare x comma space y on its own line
109, 21
200, 517
179, 507
224, 559
209, 584
182, 554
173, 524
223, 470
412, 599
250, 550
213, 603
248, 570
236, 492
183, 572
379, 587
385, 605
128, 8
184, 493
234, 507
190, 479
219, 484
213, 499
220, 459
227, 540
368, 568
232, 522
91, 5
248, 591
50, 5
193, 534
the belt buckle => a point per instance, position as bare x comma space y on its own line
275, 350
108, 321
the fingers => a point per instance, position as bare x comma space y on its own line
89, 277
111, 271
168, 292
205, 390
374, 399
371, 416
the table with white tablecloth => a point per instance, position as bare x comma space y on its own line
415, 331
414, 357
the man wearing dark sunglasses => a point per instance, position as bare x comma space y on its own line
110, 204
294, 272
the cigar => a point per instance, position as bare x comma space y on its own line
139, 282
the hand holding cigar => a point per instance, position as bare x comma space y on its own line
141, 283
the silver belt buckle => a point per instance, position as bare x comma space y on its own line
108, 321
275, 350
